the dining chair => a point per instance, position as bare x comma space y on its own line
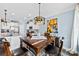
54, 50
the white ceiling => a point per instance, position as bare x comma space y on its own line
22, 10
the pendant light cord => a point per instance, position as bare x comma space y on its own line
5, 14
39, 9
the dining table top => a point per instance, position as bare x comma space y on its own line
37, 43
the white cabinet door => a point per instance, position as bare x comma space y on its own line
14, 42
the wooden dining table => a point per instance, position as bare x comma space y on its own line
37, 44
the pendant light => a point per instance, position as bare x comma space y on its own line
39, 19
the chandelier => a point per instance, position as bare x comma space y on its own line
39, 19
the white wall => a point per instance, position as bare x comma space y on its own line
65, 23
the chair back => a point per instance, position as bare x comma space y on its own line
7, 50
60, 48
57, 42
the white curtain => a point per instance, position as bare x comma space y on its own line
75, 30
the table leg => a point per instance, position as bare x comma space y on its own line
37, 52
20, 43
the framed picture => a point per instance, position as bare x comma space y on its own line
52, 26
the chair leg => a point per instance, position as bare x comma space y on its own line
59, 54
